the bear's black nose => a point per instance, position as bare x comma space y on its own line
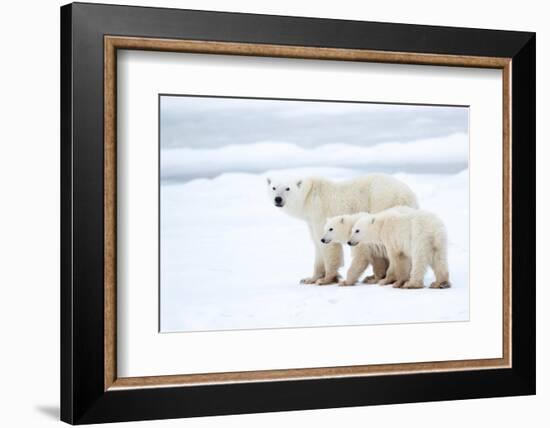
323, 240
349, 242
278, 200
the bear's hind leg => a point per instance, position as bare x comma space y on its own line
441, 270
418, 269
402, 270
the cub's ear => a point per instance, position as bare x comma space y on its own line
268, 181
299, 183
342, 220
372, 220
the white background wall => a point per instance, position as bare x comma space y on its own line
29, 211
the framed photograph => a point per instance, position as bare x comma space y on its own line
266, 213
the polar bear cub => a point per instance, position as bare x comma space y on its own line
416, 235
337, 231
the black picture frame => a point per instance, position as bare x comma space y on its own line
83, 398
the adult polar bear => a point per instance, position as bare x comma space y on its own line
314, 200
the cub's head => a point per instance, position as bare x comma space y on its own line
288, 194
362, 230
337, 229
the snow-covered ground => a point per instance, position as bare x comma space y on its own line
231, 260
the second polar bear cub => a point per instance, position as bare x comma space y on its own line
417, 235
337, 230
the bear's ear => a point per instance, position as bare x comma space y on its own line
372, 220
268, 181
342, 220
299, 183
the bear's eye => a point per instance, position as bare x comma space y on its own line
274, 188
331, 229
357, 231
287, 189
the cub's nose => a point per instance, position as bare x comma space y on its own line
349, 243
323, 240
278, 200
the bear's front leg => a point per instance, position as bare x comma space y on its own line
358, 266
380, 267
390, 277
318, 268
333, 257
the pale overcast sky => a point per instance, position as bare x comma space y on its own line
201, 122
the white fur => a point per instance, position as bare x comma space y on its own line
337, 230
314, 200
417, 236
